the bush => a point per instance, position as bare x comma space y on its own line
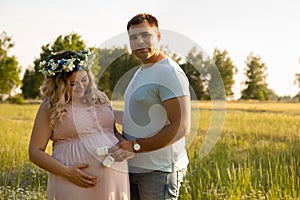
17, 99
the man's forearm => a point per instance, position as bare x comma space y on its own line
118, 116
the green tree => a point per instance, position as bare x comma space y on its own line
297, 81
226, 68
29, 83
116, 65
255, 84
194, 68
71, 41
9, 67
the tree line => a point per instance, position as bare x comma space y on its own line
114, 67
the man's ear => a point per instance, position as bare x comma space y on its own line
158, 36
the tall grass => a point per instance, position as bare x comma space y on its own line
19, 178
257, 155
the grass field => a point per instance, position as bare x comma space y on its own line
257, 155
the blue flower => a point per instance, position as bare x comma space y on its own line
48, 57
62, 62
77, 67
79, 61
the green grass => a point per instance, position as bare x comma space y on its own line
257, 155
19, 178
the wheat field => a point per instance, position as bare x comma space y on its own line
256, 155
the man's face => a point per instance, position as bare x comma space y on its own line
143, 40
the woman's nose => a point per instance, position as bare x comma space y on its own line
79, 85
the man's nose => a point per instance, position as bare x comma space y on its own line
140, 39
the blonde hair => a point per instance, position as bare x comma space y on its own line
55, 91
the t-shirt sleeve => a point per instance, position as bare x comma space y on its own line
173, 84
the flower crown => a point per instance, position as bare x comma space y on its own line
56, 67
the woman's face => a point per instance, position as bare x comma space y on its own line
78, 81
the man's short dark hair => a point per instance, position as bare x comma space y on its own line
142, 17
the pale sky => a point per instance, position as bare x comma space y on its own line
268, 28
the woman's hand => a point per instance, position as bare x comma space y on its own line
75, 175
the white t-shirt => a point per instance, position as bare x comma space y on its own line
144, 114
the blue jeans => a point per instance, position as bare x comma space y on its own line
156, 185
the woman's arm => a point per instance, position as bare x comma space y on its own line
40, 137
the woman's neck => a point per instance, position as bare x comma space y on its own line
78, 103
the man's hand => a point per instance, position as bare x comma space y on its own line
122, 151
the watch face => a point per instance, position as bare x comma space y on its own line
136, 147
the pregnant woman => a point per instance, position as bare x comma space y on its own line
78, 119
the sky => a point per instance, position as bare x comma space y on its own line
266, 28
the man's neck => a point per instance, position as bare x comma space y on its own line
155, 58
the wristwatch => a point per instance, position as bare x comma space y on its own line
136, 146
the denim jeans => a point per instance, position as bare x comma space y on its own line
156, 185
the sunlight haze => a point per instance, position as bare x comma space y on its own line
268, 28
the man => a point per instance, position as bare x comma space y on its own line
156, 116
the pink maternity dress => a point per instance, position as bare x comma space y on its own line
75, 140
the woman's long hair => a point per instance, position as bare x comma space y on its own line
55, 92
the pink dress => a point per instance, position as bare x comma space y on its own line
75, 140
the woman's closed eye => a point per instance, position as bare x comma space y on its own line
74, 83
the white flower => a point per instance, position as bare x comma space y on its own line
81, 63
51, 67
70, 67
